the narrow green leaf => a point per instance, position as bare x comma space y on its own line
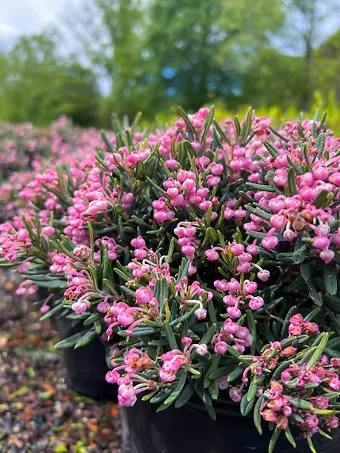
220, 132
322, 433
184, 317
290, 437
318, 353
183, 269
53, 284
300, 251
246, 126
252, 390
207, 124
188, 122
203, 394
274, 439
258, 212
86, 338
161, 395
209, 334
316, 115
246, 406
139, 332
310, 443
92, 319
312, 314
185, 395
320, 201
301, 404
292, 189
70, 341
320, 144
278, 135
297, 168
252, 329
219, 372
292, 311
237, 126
236, 373
257, 414
259, 187
136, 122
175, 393
170, 335
171, 250
271, 149
322, 122
330, 279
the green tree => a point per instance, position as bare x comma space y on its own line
39, 85
157, 54
327, 66
110, 34
305, 25
198, 51
274, 79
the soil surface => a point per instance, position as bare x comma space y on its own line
38, 413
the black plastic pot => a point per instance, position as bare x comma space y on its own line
190, 430
85, 368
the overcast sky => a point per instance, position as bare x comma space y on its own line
26, 16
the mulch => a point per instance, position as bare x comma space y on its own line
38, 413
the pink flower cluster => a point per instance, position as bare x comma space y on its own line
298, 326
318, 374
236, 295
13, 243
279, 406
136, 361
232, 332
27, 287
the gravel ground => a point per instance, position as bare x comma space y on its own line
37, 411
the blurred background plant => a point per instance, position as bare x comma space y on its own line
100, 56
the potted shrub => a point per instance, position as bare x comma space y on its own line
215, 284
40, 209
35, 203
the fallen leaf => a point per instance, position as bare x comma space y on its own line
14, 440
49, 388
61, 448
112, 410
4, 408
24, 389
9, 286
92, 425
27, 414
34, 339
45, 395
3, 340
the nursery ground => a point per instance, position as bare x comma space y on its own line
37, 411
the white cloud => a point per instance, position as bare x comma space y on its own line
20, 17
8, 35
29, 16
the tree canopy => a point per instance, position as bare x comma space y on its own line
152, 55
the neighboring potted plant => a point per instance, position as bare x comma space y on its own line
35, 203
218, 272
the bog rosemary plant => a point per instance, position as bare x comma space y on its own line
207, 257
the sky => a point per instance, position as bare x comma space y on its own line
19, 17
